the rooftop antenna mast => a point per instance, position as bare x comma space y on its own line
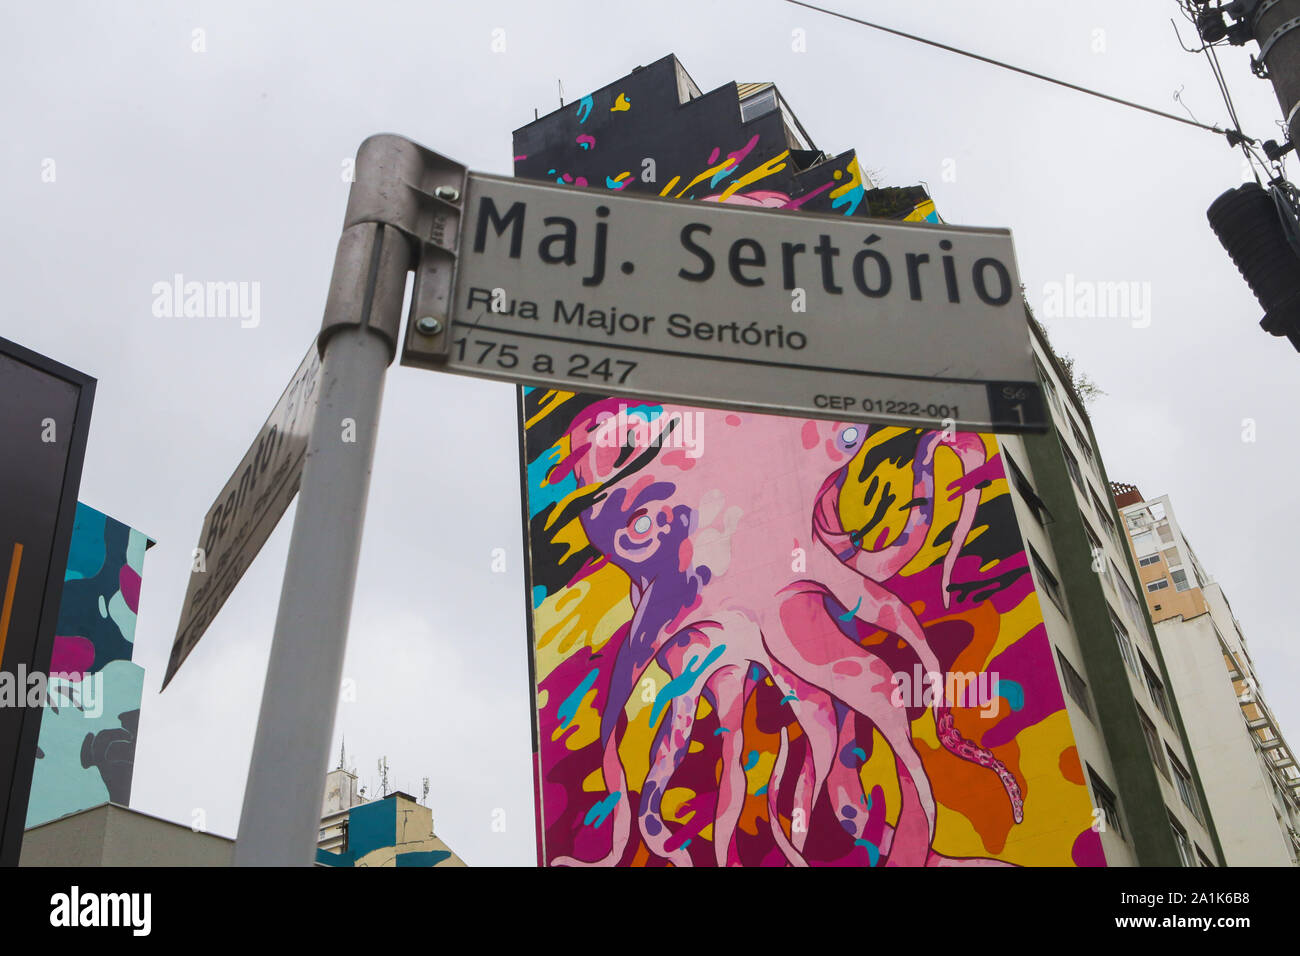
383, 776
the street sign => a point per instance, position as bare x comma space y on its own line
731, 306
248, 508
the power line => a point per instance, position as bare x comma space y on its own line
1018, 69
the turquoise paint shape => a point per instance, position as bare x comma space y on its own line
873, 851
372, 826
861, 754
86, 552
752, 760
122, 616
602, 809
61, 784
569, 708
850, 199
761, 790
136, 544
646, 413
849, 615
424, 858
541, 493
1012, 691
683, 682
539, 595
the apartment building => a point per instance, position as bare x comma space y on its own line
1251, 780
1127, 723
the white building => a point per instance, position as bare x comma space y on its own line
1251, 780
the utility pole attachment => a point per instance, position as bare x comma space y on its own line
1260, 227
399, 209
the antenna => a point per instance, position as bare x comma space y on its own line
343, 754
424, 797
383, 775
561, 86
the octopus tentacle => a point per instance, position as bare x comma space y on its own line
794, 857
731, 686
671, 746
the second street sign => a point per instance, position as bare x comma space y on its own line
735, 306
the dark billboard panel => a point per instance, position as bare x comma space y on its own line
44, 419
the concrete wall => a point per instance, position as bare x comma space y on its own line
109, 835
1236, 787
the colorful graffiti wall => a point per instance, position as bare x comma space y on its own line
393, 831
768, 641
735, 621
86, 749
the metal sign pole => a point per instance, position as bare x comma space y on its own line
358, 341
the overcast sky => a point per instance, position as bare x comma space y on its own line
226, 165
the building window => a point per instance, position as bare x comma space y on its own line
1166, 533
1083, 443
1153, 743
1180, 579
1183, 780
1144, 543
1104, 514
1157, 689
1135, 521
1149, 560
1048, 579
1125, 645
1103, 799
1047, 383
1180, 838
1072, 465
758, 105
1074, 684
1027, 493
1159, 585
1129, 599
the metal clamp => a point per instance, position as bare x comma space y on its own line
1283, 29
403, 212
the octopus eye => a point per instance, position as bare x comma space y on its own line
640, 523
849, 435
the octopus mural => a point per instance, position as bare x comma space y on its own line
729, 611
766, 641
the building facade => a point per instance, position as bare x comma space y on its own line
395, 830
1251, 780
1055, 612
86, 747
1131, 736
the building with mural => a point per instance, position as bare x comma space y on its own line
86, 747
394, 830
1252, 784
767, 641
